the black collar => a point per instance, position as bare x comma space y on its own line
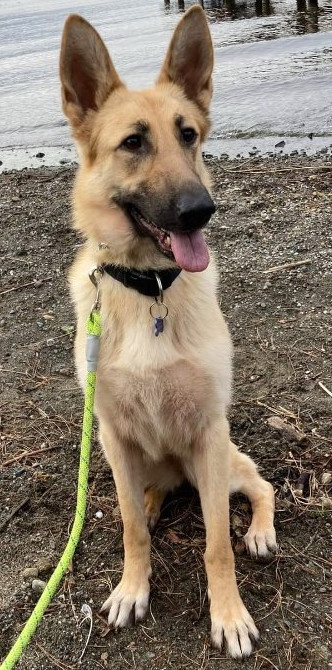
143, 281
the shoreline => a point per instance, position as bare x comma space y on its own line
21, 158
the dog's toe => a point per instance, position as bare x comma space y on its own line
237, 633
261, 542
126, 604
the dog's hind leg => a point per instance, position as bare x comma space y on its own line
131, 597
153, 500
162, 478
261, 537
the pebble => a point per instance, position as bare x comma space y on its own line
38, 585
29, 573
44, 565
40, 154
99, 514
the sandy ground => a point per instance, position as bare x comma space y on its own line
272, 235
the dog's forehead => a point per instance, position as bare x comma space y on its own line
160, 105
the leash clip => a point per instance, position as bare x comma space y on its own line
95, 275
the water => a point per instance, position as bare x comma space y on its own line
272, 78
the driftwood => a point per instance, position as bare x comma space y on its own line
288, 431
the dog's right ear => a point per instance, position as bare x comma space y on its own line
87, 73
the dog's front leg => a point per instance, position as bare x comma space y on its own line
130, 598
229, 617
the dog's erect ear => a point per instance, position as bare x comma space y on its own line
86, 71
189, 59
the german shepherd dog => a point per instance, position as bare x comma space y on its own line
141, 200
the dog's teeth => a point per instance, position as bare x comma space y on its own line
168, 241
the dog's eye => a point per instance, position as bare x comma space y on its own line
132, 143
188, 135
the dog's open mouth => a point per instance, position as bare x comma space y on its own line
188, 250
147, 227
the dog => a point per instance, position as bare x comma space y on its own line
141, 200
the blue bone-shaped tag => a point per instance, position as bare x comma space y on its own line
158, 325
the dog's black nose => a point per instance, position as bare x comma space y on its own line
194, 208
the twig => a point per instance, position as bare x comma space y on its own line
325, 389
286, 266
13, 512
268, 660
55, 661
87, 616
27, 453
289, 432
30, 283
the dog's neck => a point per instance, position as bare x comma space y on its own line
143, 281
141, 278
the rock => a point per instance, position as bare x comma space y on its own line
280, 144
29, 573
44, 566
38, 585
40, 154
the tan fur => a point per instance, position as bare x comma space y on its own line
161, 402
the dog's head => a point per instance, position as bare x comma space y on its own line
142, 185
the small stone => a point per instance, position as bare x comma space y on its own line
104, 656
326, 502
40, 154
44, 566
280, 144
99, 514
29, 573
326, 478
38, 585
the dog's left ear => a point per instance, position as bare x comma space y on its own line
189, 59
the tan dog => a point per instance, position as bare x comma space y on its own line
142, 191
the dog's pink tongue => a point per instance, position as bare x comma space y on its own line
190, 251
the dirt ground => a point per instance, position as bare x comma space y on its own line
273, 237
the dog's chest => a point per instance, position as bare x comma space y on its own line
163, 410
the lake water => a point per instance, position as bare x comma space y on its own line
272, 81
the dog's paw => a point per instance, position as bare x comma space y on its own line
261, 542
236, 627
127, 604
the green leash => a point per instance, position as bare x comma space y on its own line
92, 349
